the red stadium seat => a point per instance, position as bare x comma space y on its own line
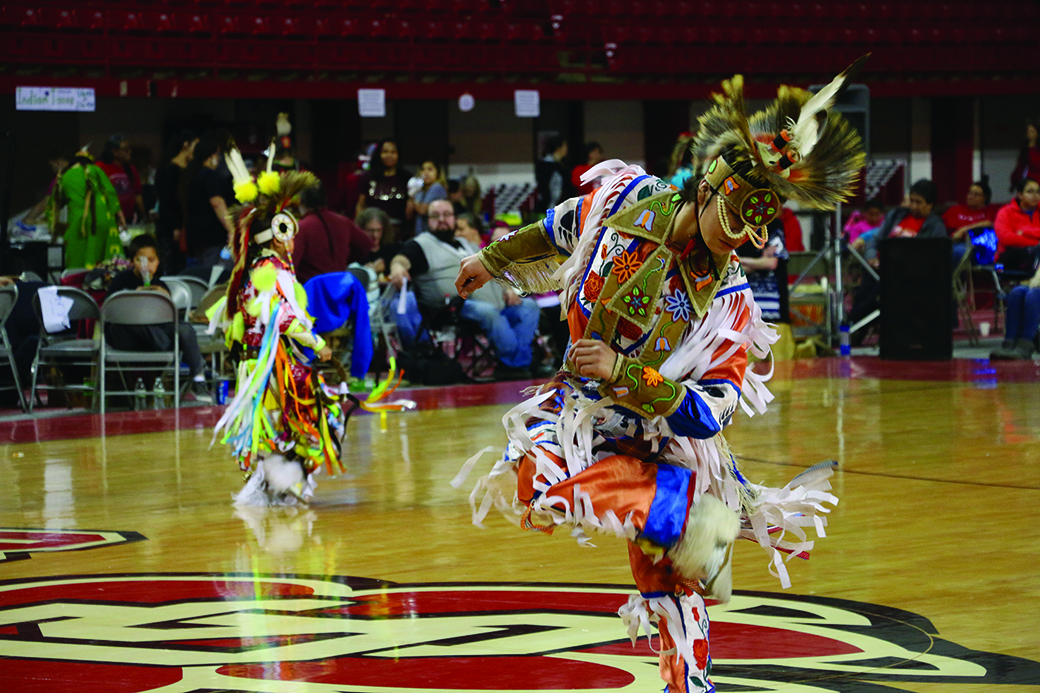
21, 16
197, 23
58, 18
337, 27
121, 20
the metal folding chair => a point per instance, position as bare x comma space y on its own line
8, 297
68, 347
212, 346
139, 308
196, 286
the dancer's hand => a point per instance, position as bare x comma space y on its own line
325, 353
593, 359
472, 276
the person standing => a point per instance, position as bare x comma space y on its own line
593, 156
115, 162
434, 187
94, 214
326, 242
626, 438
385, 186
207, 225
1028, 164
170, 224
550, 175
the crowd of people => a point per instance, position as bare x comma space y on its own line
410, 230
1007, 237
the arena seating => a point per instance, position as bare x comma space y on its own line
597, 37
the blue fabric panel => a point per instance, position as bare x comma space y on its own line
693, 418
334, 298
664, 523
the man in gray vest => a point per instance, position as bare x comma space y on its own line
430, 262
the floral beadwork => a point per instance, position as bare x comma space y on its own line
625, 265
637, 302
593, 286
678, 304
651, 377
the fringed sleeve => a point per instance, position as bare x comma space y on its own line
524, 260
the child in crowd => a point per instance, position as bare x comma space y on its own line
146, 275
862, 221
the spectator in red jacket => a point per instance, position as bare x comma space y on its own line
326, 242
1018, 228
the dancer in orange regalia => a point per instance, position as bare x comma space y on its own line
627, 437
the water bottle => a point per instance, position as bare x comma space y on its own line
140, 395
159, 394
146, 276
843, 340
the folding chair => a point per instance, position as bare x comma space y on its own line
139, 308
196, 286
8, 297
212, 346
964, 293
181, 295
67, 347
459, 339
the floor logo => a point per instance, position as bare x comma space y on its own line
194, 633
16, 544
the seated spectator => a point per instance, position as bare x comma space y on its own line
470, 227
915, 220
593, 156
766, 270
146, 275
115, 162
1021, 322
1018, 229
376, 223
326, 242
434, 187
432, 261
973, 215
871, 216
472, 196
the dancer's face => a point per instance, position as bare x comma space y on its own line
718, 242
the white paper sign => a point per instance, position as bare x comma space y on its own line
371, 103
526, 103
54, 99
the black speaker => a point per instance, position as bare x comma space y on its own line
917, 299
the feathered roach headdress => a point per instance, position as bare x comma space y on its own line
268, 198
795, 149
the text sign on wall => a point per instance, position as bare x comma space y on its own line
371, 103
54, 99
526, 103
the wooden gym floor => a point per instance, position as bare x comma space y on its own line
124, 567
